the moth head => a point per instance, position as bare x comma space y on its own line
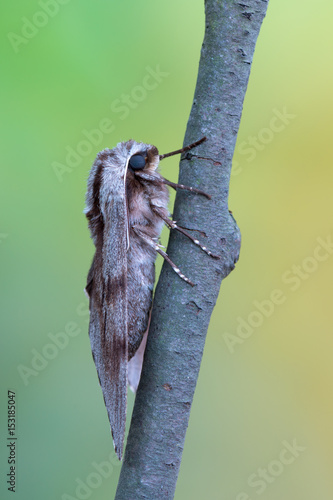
112, 168
143, 157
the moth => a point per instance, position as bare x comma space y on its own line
126, 207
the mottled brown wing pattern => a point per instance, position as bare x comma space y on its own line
107, 288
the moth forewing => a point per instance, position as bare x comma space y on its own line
108, 292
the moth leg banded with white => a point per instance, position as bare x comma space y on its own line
126, 207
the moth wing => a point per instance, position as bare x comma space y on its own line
107, 287
135, 365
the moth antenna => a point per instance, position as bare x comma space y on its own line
186, 148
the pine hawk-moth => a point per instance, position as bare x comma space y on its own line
126, 207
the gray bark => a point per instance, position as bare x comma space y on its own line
181, 313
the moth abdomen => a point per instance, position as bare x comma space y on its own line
141, 278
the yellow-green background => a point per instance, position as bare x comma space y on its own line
278, 384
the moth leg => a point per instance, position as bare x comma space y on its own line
187, 188
173, 225
151, 178
193, 229
165, 256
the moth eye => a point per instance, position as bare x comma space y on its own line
137, 162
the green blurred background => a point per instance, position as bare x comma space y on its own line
262, 388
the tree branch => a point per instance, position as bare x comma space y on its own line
181, 313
